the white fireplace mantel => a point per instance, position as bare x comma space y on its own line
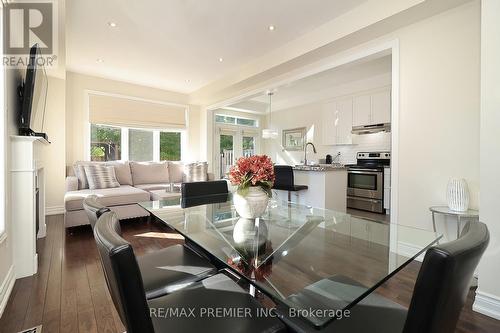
27, 200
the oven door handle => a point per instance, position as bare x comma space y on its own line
364, 199
360, 171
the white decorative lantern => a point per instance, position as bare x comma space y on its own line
457, 195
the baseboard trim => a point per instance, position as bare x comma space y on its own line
409, 250
54, 210
6, 289
487, 304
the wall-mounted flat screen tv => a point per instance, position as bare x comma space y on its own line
33, 96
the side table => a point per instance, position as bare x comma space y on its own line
444, 210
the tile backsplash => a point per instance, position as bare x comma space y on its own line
368, 142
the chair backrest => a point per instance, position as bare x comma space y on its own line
93, 209
199, 189
122, 274
444, 280
283, 176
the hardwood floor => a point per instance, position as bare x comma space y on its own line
69, 293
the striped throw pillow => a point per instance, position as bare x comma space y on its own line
100, 176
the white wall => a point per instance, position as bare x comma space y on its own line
55, 153
439, 110
488, 293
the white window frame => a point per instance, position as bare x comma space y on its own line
124, 141
257, 124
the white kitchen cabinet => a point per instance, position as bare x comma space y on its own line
372, 108
381, 107
337, 122
361, 112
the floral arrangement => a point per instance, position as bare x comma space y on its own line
255, 170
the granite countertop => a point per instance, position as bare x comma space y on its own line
320, 167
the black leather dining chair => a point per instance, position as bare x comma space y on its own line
138, 314
438, 297
202, 193
163, 271
198, 189
284, 180
93, 209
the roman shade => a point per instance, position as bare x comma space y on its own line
121, 111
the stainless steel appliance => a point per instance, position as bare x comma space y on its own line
369, 129
365, 181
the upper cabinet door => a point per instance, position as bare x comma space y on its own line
381, 107
329, 129
361, 112
344, 123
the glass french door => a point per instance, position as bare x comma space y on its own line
232, 144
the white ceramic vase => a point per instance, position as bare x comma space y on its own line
251, 205
457, 195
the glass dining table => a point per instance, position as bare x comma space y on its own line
310, 260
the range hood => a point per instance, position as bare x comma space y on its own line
369, 129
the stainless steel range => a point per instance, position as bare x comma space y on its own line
365, 181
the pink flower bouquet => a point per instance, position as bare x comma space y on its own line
250, 171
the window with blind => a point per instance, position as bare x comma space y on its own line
110, 143
134, 129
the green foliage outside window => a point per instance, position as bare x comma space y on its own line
170, 146
105, 143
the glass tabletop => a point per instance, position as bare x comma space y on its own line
307, 259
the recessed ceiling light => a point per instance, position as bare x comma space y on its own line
99, 60
271, 27
221, 60
112, 24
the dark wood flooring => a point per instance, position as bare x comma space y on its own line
69, 293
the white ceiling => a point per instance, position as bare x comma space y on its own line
317, 87
176, 44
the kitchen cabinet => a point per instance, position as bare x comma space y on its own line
372, 108
381, 107
326, 189
337, 122
361, 113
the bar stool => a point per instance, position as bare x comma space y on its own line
284, 180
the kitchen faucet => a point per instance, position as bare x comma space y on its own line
305, 151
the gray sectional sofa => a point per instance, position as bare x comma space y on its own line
136, 180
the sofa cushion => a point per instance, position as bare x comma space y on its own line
101, 176
153, 187
79, 171
122, 171
149, 172
116, 196
176, 172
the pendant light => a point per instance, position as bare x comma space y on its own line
269, 133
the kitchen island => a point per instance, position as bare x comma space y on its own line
327, 187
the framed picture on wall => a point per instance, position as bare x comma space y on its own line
294, 139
